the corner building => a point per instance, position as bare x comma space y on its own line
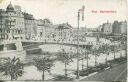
11, 23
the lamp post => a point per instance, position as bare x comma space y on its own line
80, 11
78, 45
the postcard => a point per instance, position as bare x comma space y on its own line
63, 40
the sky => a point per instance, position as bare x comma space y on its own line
62, 11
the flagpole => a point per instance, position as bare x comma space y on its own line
78, 45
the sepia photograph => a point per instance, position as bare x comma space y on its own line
63, 40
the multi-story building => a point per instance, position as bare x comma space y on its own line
14, 23
39, 26
11, 23
119, 27
123, 26
63, 33
30, 27
107, 28
45, 30
115, 28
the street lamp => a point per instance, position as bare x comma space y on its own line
80, 11
78, 45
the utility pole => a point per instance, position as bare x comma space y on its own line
78, 45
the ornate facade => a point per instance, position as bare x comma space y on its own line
11, 23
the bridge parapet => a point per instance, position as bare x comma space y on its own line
35, 44
73, 42
17, 44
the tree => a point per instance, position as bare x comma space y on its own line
96, 51
64, 58
88, 51
114, 49
81, 57
12, 67
105, 49
119, 50
84, 55
125, 48
124, 44
43, 64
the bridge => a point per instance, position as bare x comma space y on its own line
31, 45
34, 44
11, 44
28, 44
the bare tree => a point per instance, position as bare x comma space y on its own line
87, 52
84, 55
96, 52
113, 50
64, 58
105, 49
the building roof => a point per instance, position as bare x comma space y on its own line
28, 16
64, 26
10, 8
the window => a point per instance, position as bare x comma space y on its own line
0, 30
8, 31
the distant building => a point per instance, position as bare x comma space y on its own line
29, 22
82, 32
63, 32
119, 27
45, 30
107, 28
99, 28
123, 26
39, 26
115, 28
